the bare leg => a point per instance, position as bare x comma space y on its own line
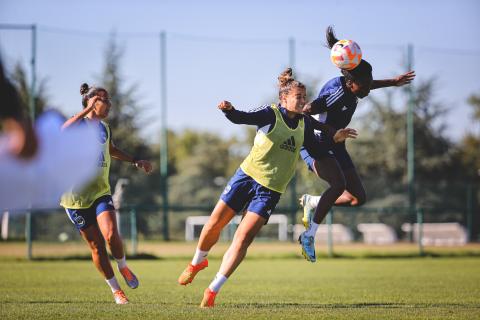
344, 199
107, 223
220, 217
246, 232
96, 243
355, 194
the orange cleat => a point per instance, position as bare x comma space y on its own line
191, 271
208, 299
120, 297
129, 277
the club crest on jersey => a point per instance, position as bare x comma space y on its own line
288, 144
79, 220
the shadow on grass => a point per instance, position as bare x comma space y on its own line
147, 256
46, 302
87, 257
284, 305
363, 305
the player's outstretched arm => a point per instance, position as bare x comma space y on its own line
123, 156
258, 117
225, 106
399, 81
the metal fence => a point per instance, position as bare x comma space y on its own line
141, 223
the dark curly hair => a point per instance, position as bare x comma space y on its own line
361, 73
89, 92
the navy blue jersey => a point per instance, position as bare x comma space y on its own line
264, 118
335, 104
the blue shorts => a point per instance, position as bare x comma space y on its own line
242, 191
337, 151
83, 218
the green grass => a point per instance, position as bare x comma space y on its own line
418, 288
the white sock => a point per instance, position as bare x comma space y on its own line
313, 201
218, 282
113, 284
199, 256
312, 230
122, 263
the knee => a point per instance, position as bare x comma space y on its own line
359, 199
244, 240
111, 236
213, 226
97, 247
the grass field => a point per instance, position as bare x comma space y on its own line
285, 287
260, 249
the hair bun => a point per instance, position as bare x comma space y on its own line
84, 88
285, 77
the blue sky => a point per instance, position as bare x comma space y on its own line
235, 50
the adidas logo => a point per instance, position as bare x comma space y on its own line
288, 144
344, 108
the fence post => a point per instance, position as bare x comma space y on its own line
420, 231
164, 135
133, 230
469, 211
329, 234
28, 234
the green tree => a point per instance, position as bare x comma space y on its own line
125, 127
469, 151
470, 144
203, 163
22, 83
380, 151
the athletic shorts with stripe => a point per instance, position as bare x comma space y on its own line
83, 218
242, 191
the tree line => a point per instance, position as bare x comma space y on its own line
201, 162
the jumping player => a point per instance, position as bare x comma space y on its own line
334, 107
261, 179
91, 209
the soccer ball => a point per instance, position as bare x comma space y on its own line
346, 54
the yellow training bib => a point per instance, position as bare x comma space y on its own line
274, 155
100, 186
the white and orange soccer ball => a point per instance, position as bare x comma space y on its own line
346, 54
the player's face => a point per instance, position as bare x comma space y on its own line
295, 99
361, 89
103, 104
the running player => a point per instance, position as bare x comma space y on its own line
91, 208
334, 107
261, 179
